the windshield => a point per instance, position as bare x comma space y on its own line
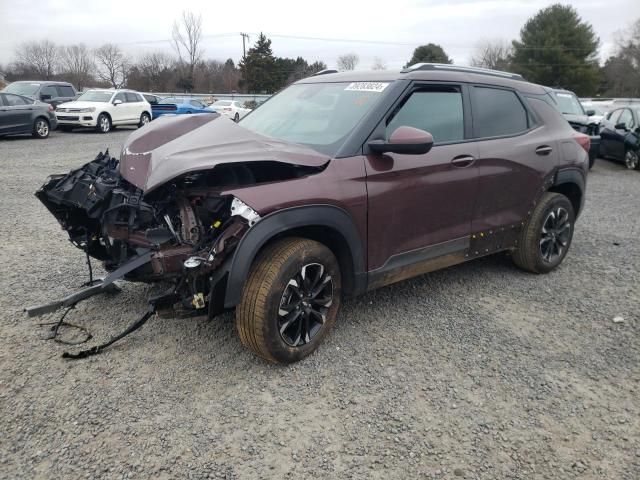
95, 96
20, 88
568, 104
320, 115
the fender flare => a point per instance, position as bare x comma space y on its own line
575, 176
278, 222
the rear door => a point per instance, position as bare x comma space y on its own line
135, 106
18, 112
420, 206
515, 155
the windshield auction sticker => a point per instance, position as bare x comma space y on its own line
367, 86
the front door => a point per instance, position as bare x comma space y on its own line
420, 206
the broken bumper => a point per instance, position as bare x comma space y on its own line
182, 234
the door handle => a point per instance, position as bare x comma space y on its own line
462, 161
544, 150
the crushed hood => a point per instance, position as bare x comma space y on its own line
171, 146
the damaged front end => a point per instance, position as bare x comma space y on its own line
181, 232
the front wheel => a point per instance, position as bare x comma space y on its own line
103, 124
290, 300
40, 128
631, 160
546, 237
144, 119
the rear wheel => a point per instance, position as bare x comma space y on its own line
290, 300
546, 237
104, 123
144, 119
631, 160
40, 128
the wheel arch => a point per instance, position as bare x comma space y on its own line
571, 183
327, 224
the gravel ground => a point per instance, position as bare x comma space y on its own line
479, 371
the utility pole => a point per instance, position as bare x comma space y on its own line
244, 36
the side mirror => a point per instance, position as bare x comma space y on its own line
406, 140
44, 98
621, 126
117, 102
590, 113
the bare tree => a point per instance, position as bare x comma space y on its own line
187, 35
348, 61
77, 64
493, 54
42, 57
158, 70
378, 64
113, 64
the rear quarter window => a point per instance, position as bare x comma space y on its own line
497, 112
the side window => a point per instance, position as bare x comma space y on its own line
497, 112
120, 96
437, 111
613, 116
14, 100
49, 90
131, 97
196, 104
65, 91
626, 118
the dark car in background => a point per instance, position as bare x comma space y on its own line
339, 184
179, 106
570, 107
620, 136
21, 115
53, 93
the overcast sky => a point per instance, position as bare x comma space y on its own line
331, 27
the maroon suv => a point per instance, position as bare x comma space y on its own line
339, 184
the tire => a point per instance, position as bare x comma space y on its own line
41, 128
144, 119
272, 289
592, 161
103, 125
631, 159
236, 118
539, 251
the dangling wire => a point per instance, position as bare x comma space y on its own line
60, 323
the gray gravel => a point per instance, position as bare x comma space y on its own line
479, 371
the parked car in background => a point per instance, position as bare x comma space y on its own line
596, 110
339, 184
53, 93
103, 109
151, 98
620, 136
179, 106
20, 115
233, 109
569, 106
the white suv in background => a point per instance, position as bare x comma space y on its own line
103, 109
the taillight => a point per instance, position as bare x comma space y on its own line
51, 109
583, 140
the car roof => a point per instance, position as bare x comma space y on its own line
431, 72
43, 82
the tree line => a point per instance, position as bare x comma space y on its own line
555, 48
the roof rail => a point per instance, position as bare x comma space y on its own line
324, 72
457, 68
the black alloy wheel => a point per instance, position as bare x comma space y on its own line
304, 305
